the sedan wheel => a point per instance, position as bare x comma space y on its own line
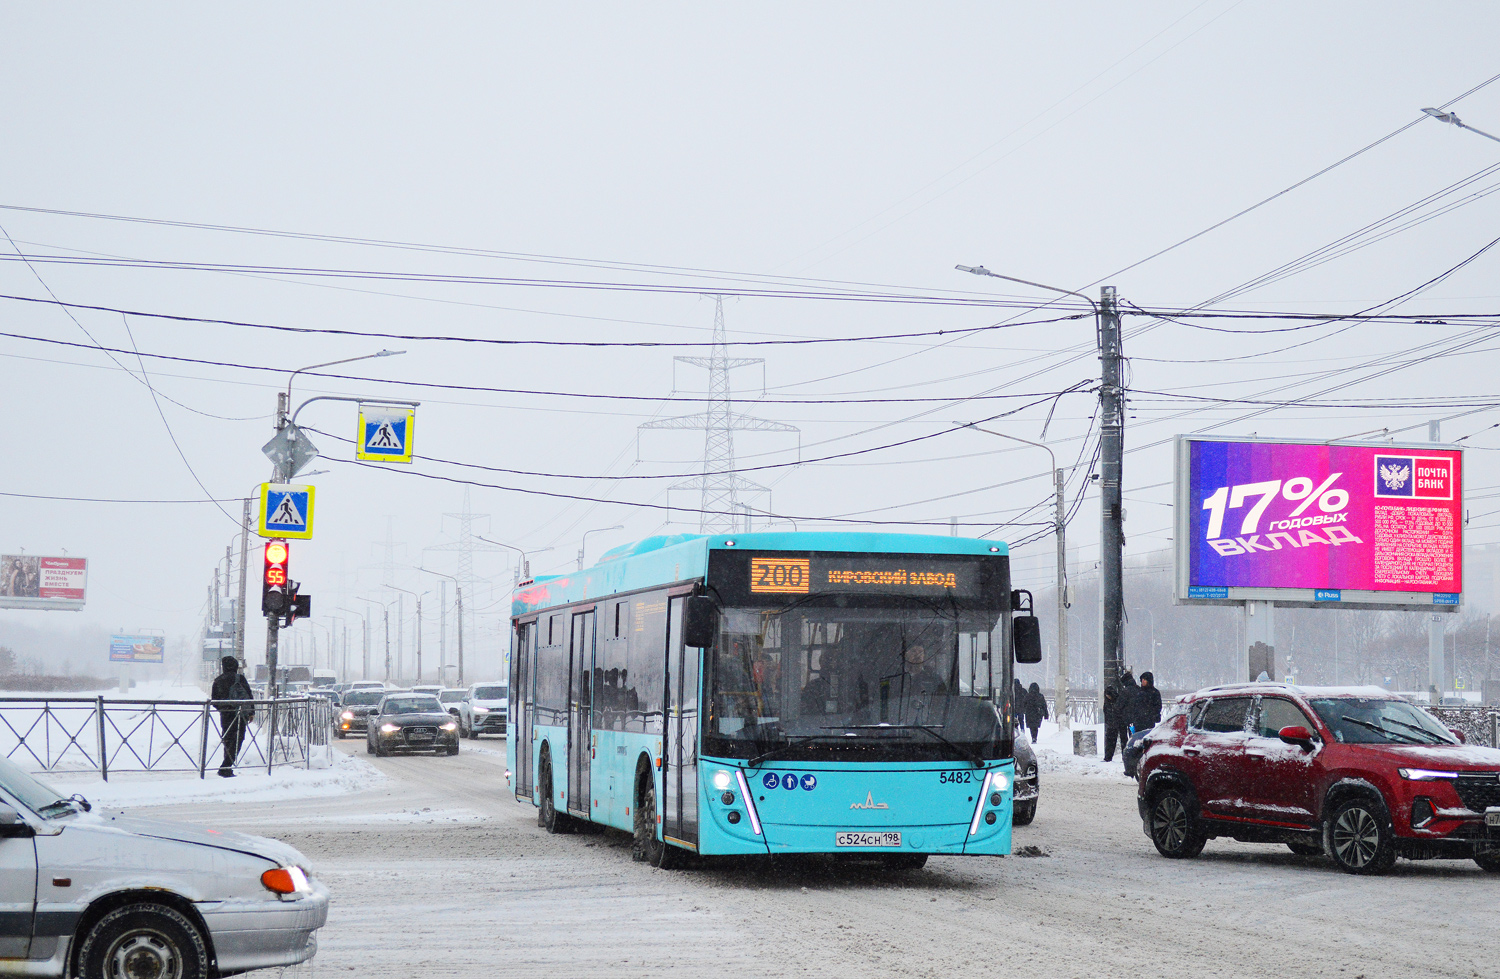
1360, 838
144, 941
1487, 855
1174, 829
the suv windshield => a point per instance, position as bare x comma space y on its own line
363, 698
489, 693
1369, 721
898, 683
412, 705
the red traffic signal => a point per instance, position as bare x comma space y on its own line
274, 581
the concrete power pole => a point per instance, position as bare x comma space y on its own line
239, 612
1111, 506
1060, 708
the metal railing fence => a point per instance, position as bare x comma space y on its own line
1480, 725
1081, 710
95, 734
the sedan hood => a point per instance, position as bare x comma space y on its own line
162, 829
418, 720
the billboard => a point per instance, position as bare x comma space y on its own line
1318, 524
28, 581
136, 649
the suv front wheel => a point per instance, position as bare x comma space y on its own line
1359, 837
1176, 832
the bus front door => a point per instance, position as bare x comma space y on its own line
521, 713
680, 805
580, 698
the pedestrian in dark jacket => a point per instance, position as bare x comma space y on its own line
1036, 710
231, 695
1147, 704
1018, 703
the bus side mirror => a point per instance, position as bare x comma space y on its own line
1026, 638
700, 621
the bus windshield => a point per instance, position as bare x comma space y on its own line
911, 681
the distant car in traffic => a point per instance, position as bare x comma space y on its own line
367, 685
1354, 773
484, 709
107, 894
451, 697
429, 688
355, 707
411, 722
1028, 788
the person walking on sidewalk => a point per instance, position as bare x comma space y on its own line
1036, 710
231, 695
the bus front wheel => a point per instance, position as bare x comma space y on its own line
646, 847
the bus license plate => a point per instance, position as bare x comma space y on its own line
867, 839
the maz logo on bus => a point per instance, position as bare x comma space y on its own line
780, 575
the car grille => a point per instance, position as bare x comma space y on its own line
421, 732
1478, 792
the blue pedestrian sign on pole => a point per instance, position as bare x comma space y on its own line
385, 434
286, 510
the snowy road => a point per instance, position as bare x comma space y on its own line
436, 872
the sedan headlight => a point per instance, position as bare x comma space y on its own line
389, 729
1424, 774
347, 715
450, 726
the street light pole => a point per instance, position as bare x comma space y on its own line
419, 626
458, 590
1060, 529
1111, 467
364, 643
385, 608
1453, 120
584, 541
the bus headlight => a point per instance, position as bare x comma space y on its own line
999, 781
722, 780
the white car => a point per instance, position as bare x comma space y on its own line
108, 894
484, 709
431, 688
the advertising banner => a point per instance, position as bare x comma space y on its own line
29, 581
1314, 523
136, 649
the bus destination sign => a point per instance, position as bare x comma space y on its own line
875, 574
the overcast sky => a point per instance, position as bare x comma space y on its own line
865, 143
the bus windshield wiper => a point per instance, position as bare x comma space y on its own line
790, 744
1381, 729
931, 729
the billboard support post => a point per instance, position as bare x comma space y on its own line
1435, 657
1260, 640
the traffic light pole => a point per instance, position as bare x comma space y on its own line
273, 620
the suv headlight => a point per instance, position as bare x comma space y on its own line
1424, 774
347, 715
481, 710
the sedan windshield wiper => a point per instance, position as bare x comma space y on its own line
1380, 729
931, 729
790, 744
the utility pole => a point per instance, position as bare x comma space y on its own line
442, 630
1111, 506
419, 638
239, 612
1060, 704
458, 589
387, 612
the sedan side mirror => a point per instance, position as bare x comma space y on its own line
1298, 735
11, 823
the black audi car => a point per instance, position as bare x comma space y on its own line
411, 722
355, 707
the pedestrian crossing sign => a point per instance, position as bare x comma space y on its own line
385, 434
286, 510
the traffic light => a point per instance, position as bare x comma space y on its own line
297, 606
273, 593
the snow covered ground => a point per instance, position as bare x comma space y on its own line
347, 774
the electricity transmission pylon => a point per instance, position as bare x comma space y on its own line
721, 489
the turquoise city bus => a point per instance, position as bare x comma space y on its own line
774, 693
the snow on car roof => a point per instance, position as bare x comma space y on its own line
1272, 686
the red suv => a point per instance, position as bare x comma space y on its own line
1352, 772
